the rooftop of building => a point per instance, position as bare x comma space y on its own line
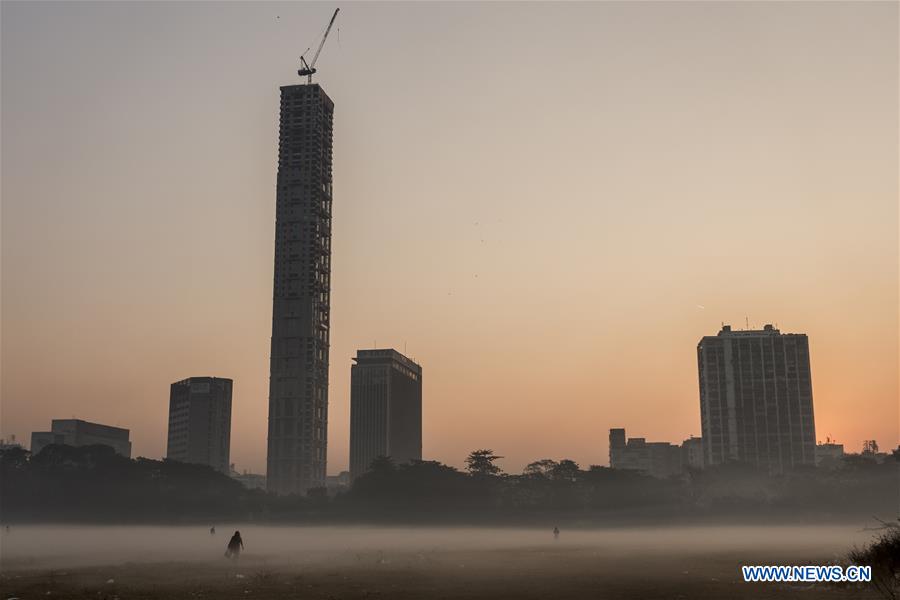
636, 442
297, 89
209, 378
81, 422
767, 330
382, 355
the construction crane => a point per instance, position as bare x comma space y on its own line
310, 68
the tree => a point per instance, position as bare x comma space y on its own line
382, 464
481, 463
565, 470
540, 468
883, 557
94, 483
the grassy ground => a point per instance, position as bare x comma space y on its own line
556, 571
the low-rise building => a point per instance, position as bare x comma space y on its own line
337, 483
692, 453
829, 454
75, 432
659, 459
252, 481
9, 444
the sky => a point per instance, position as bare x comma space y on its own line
546, 205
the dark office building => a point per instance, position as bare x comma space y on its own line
756, 402
298, 382
385, 409
75, 432
200, 422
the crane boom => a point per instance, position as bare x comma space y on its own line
309, 69
324, 37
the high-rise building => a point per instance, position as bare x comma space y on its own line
298, 381
200, 422
385, 409
75, 432
756, 402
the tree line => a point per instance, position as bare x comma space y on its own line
93, 483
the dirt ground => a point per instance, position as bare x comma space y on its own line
542, 572
344, 562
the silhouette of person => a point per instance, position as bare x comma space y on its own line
212, 530
235, 545
556, 533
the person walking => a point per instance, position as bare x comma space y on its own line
235, 545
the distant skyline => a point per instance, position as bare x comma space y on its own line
546, 205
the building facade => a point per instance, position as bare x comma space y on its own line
75, 432
829, 454
756, 403
335, 484
251, 481
385, 409
298, 381
200, 422
692, 453
10, 444
658, 459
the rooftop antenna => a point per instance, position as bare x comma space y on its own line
309, 68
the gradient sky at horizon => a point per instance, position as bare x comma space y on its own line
546, 204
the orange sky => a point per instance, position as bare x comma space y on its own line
548, 204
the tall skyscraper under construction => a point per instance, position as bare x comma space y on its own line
298, 381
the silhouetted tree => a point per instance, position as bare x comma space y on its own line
565, 470
540, 468
481, 463
883, 556
94, 483
382, 465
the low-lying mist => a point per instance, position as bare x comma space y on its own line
55, 547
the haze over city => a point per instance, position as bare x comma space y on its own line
546, 207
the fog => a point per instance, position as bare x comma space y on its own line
54, 547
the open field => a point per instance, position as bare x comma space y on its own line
358, 562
